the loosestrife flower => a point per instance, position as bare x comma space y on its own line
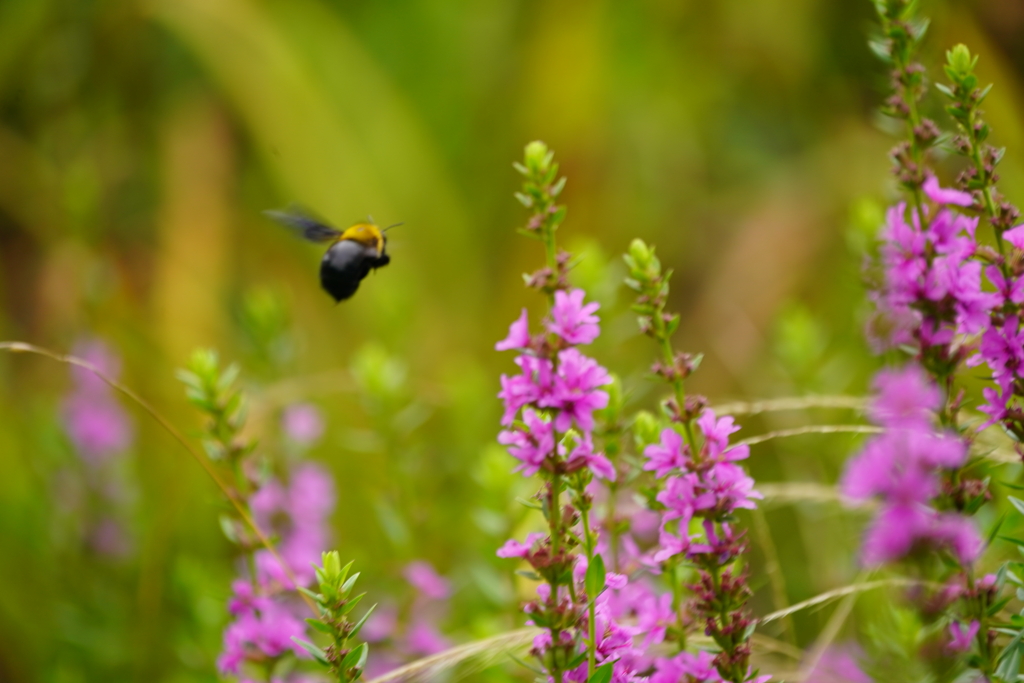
903, 467
710, 486
262, 627
303, 424
1002, 343
265, 617
101, 432
95, 422
932, 284
300, 514
549, 415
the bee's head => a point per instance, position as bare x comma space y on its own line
366, 234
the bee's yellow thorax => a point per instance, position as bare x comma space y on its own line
366, 234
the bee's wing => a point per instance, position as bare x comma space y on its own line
305, 225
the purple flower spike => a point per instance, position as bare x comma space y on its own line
903, 466
93, 419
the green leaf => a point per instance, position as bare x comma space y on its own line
1009, 667
319, 625
995, 530
594, 581
347, 586
1017, 503
997, 606
1012, 645
227, 525
359, 624
352, 602
603, 673
557, 188
318, 654
356, 658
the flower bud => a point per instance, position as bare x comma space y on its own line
959, 61
537, 157
641, 254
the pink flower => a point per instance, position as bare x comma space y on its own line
960, 638
95, 422
97, 425
530, 387
667, 455
695, 668
518, 335
302, 423
716, 438
531, 447
1015, 236
261, 628
654, 615
514, 548
838, 665
573, 321
299, 515
899, 528
429, 583
583, 455
423, 639
945, 196
905, 397
576, 392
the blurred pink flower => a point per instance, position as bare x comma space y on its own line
426, 581
960, 638
303, 423
93, 419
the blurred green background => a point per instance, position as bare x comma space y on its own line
139, 142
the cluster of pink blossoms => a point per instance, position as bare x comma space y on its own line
932, 290
1002, 344
903, 466
558, 388
709, 485
101, 433
265, 614
933, 298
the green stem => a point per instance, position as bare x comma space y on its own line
588, 547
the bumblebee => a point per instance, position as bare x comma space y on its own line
353, 253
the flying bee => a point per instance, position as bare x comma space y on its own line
353, 253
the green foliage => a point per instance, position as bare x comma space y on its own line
335, 602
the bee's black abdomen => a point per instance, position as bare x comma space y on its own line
344, 266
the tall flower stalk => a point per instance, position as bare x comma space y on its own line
549, 420
700, 484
